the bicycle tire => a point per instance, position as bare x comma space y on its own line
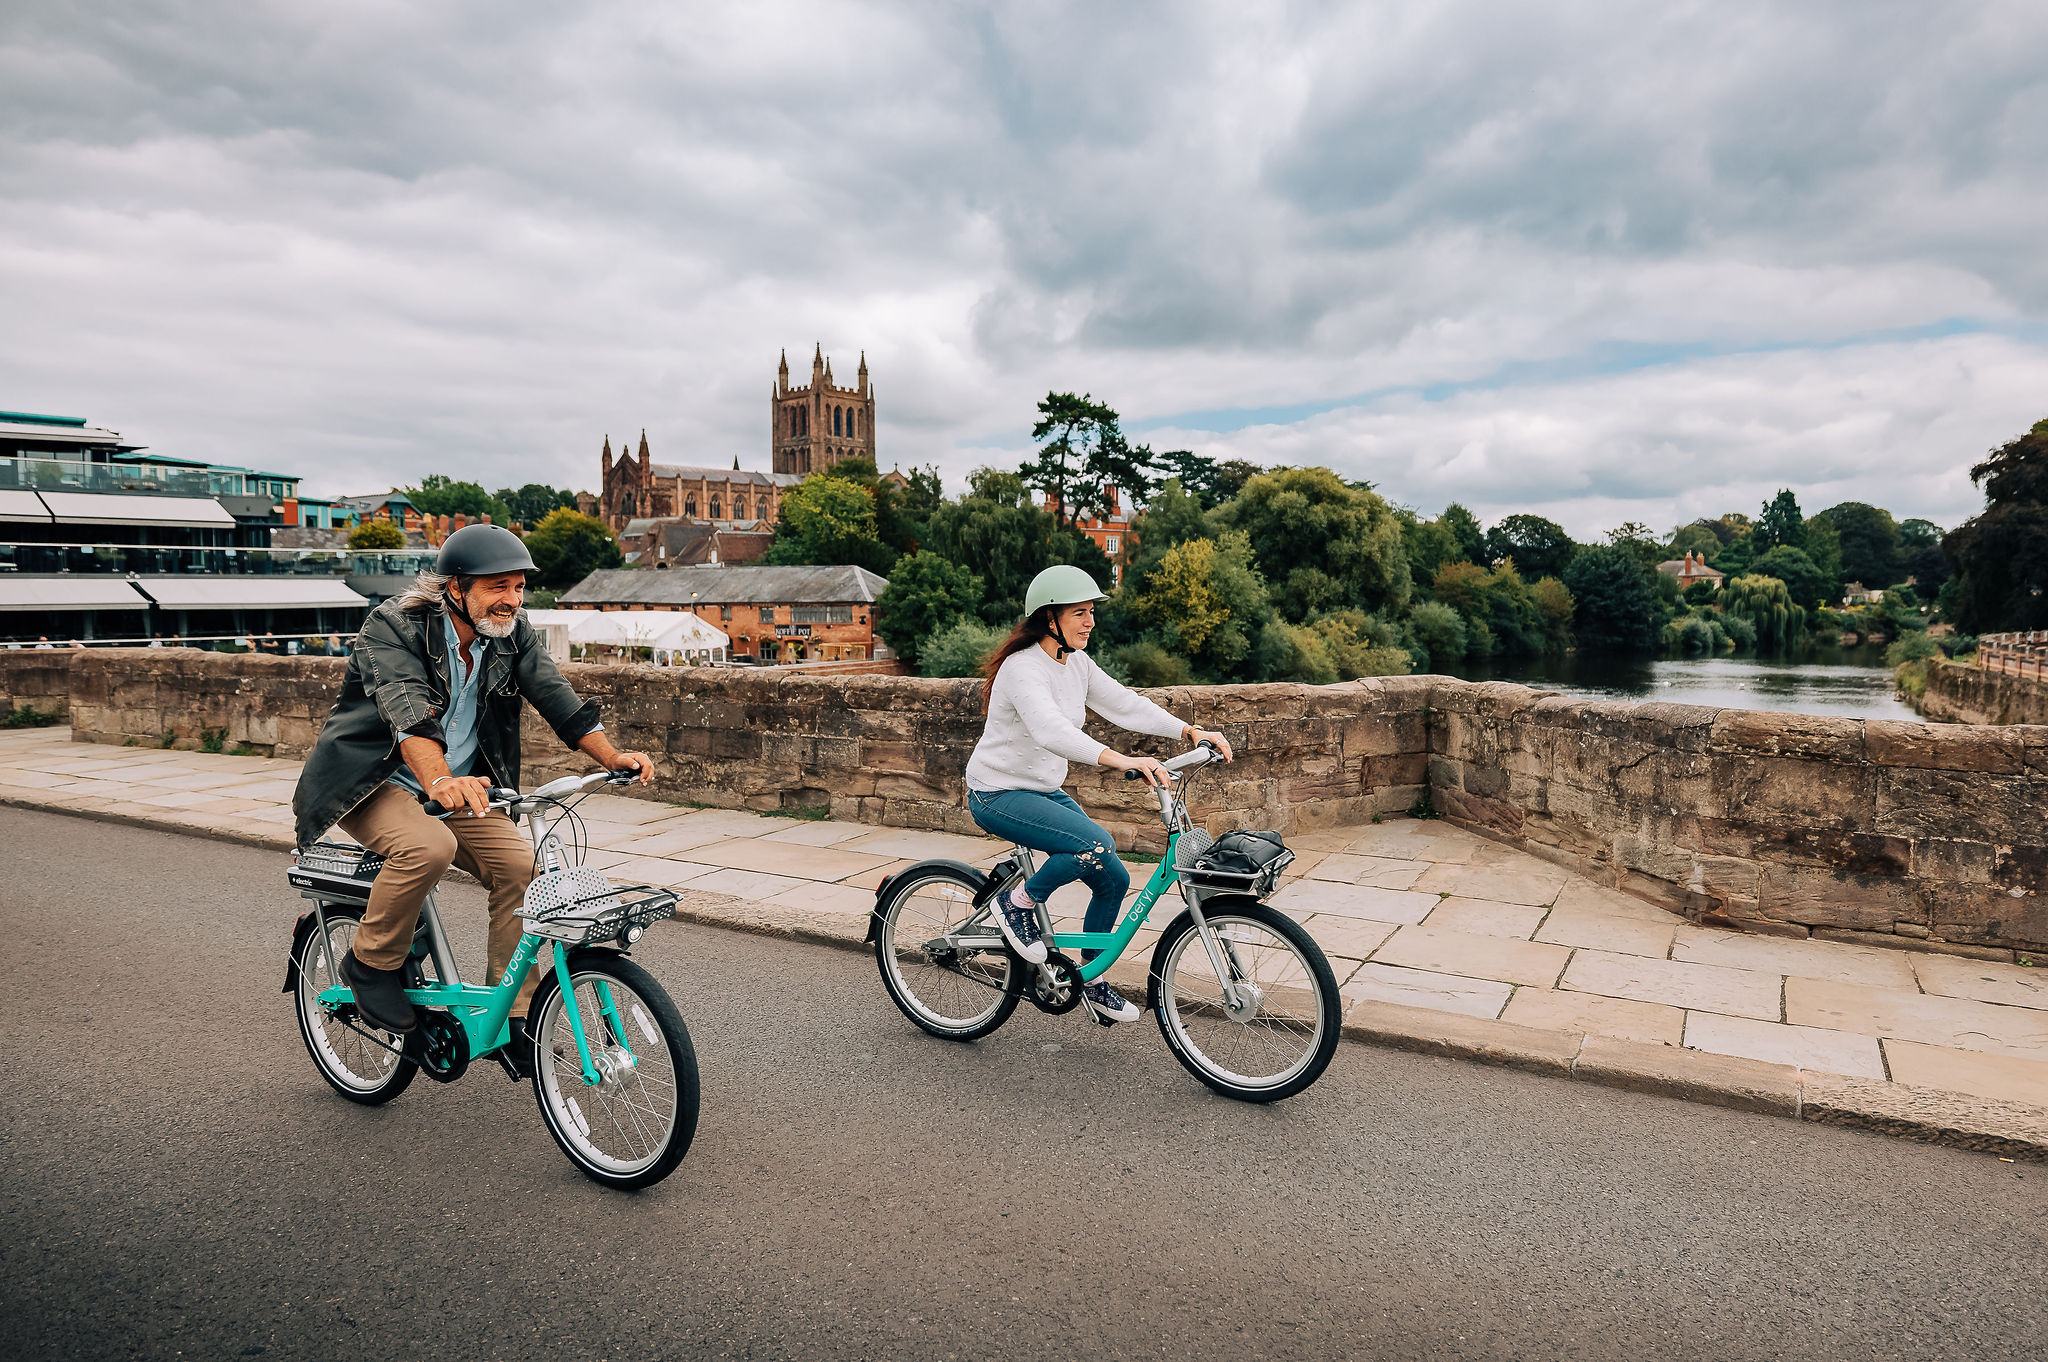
330, 1041
557, 1069
934, 1014
1178, 1020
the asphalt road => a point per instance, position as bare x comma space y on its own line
178, 1181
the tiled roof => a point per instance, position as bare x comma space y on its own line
745, 475
725, 585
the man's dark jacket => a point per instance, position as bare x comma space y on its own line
398, 686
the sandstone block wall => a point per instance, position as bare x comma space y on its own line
1967, 695
1776, 822
42, 681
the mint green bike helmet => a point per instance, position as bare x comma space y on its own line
1061, 584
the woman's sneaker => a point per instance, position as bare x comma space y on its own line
1108, 1005
1017, 917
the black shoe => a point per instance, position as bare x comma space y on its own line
380, 995
516, 1054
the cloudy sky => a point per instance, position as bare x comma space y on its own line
1601, 261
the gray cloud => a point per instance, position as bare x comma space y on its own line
1514, 255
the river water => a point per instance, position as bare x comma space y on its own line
1853, 682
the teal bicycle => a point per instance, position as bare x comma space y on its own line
614, 1071
1244, 997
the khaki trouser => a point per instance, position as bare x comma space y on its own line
418, 850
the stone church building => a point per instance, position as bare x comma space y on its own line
810, 428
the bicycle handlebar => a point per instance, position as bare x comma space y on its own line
504, 797
1205, 749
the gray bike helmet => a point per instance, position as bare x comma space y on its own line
483, 551
1060, 584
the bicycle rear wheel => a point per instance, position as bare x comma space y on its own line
1272, 1045
952, 995
345, 1048
633, 1127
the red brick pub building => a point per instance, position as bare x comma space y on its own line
771, 614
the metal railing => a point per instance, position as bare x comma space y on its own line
153, 560
21, 473
2024, 654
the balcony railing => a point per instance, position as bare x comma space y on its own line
64, 475
2023, 654
150, 560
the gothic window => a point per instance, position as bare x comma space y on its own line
714, 506
835, 420
690, 504
803, 421
739, 507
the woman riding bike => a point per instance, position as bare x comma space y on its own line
1038, 687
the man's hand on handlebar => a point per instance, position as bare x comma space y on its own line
634, 761
462, 794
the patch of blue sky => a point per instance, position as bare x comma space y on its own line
1617, 357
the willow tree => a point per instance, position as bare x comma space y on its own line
1767, 604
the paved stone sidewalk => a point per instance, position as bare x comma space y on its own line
1440, 939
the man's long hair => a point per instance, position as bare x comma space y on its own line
428, 593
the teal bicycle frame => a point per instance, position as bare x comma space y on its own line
1115, 942
485, 1012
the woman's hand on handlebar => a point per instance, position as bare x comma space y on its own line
635, 761
1215, 740
1147, 769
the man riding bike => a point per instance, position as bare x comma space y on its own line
1039, 686
430, 705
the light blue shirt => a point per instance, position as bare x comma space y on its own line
458, 725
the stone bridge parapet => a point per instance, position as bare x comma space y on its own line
1889, 832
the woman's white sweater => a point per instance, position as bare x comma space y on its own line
1034, 720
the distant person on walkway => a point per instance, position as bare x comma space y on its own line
429, 710
43, 644
157, 642
1040, 686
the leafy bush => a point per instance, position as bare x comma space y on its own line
376, 534
212, 739
27, 716
1740, 631
1613, 598
925, 594
1913, 647
1696, 636
1764, 601
1145, 663
568, 546
960, 649
1441, 630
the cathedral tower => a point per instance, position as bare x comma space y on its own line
815, 427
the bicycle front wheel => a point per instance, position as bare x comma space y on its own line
953, 994
1279, 1035
632, 1127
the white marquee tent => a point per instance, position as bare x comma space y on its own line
676, 637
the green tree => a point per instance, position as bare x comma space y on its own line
1539, 547
1614, 610
1920, 556
1465, 532
993, 532
1205, 602
376, 534
1764, 601
1501, 618
1427, 543
1145, 663
1870, 543
1196, 474
1824, 547
1694, 538
960, 649
568, 546
438, 494
1791, 566
530, 504
925, 594
1781, 524
1641, 542
1231, 476
1555, 604
829, 520
1320, 542
1081, 454
1172, 517
2000, 555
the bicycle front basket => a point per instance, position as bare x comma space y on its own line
579, 905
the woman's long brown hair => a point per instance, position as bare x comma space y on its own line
1028, 632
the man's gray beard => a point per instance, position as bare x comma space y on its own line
492, 627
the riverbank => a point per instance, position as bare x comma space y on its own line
1955, 693
1849, 683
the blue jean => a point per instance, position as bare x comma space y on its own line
1076, 848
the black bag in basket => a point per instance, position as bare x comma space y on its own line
1243, 852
